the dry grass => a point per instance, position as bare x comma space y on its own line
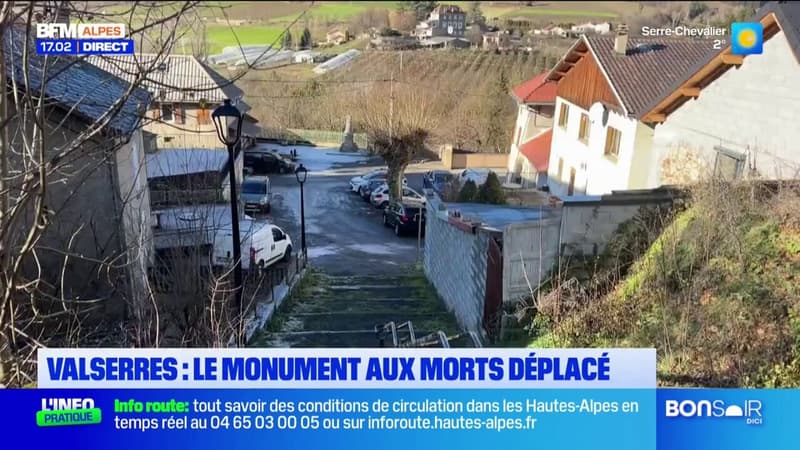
717, 294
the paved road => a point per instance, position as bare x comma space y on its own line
344, 234
364, 275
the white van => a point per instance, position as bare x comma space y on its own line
263, 244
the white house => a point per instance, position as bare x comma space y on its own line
743, 122
529, 154
601, 141
591, 27
444, 20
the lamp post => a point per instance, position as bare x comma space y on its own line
224, 116
301, 173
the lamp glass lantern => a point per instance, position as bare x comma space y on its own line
228, 122
301, 173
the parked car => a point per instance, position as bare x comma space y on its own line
357, 182
478, 176
263, 245
405, 217
366, 192
436, 179
380, 196
257, 194
262, 163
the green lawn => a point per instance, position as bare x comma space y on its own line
225, 36
338, 10
490, 11
597, 10
527, 12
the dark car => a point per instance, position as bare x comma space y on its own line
263, 163
373, 184
436, 180
405, 218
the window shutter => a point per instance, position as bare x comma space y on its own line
201, 116
179, 113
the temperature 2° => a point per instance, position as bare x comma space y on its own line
719, 44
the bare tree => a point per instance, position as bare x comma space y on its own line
73, 270
397, 126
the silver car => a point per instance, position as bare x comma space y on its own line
257, 194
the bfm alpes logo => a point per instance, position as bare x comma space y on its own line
82, 39
750, 410
68, 411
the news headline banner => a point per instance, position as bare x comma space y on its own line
349, 419
348, 368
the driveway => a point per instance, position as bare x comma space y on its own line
364, 281
344, 234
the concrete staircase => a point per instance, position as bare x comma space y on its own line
356, 311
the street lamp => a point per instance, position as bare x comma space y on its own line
224, 118
302, 173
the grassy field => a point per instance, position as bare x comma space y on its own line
338, 10
269, 19
226, 36
555, 11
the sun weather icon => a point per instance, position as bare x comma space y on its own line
747, 38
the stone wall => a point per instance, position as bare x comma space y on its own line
455, 263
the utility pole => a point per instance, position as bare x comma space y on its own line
391, 106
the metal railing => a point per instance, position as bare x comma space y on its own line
435, 339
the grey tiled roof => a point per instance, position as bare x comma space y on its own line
83, 89
172, 78
650, 67
788, 14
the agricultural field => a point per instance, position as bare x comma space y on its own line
266, 21
544, 12
464, 82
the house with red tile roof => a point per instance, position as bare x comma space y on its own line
530, 150
735, 116
603, 134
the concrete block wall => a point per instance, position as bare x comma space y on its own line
455, 263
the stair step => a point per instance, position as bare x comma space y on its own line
366, 321
401, 306
398, 280
358, 287
362, 293
328, 339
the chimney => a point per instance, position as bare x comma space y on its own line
621, 41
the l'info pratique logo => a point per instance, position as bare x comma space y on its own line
67, 411
750, 411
